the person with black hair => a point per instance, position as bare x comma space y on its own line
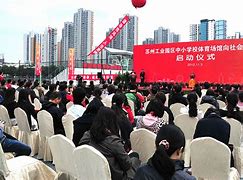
191, 109
166, 163
10, 104
152, 92
210, 98
97, 96
161, 96
25, 104
176, 96
56, 113
240, 102
123, 122
104, 136
132, 95
232, 110
83, 123
212, 125
153, 119
52, 88
111, 92
77, 109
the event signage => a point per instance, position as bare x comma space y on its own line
37, 60
218, 61
111, 36
71, 63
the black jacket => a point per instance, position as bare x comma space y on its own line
177, 98
56, 114
29, 110
112, 148
213, 126
148, 172
235, 115
10, 106
81, 125
171, 116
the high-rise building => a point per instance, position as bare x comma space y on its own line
174, 37
83, 34
220, 29
163, 35
207, 30
49, 47
194, 32
59, 53
127, 37
67, 41
30, 41
148, 41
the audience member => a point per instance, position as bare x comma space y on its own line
176, 96
166, 162
104, 136
9, 102
77, 110
161, 96
210, 98
10, 144
232, 110
123, 122
52, 88
56, 113
83, 123
153, 119
25, 104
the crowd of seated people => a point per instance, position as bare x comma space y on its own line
108, 129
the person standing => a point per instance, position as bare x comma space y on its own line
142, 77
133, 77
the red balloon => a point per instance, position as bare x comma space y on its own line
138, 3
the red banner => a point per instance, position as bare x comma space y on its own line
111, 36
94, 77
37, 60
71, 63
218, 61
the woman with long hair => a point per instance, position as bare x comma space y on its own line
166, 163
191, 109
232, 110
104, 136
25, 104
123, 122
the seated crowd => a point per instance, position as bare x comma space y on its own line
105, 116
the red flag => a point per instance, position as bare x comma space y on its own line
71, 63
111, 36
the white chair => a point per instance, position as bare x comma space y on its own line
67, 121
210, 159
166, 117
10, 125
132, 105
36, 92
222, 104
107, 102
62, 151
24, 167
91, 164
46, 130
187, 125
175, 108
16, 96
143, 142
69, 104
167, 99
37, 104
146, 104
235, 139
26, 136
204, 107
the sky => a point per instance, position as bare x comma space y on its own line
18, 17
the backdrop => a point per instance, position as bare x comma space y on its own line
218, 61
